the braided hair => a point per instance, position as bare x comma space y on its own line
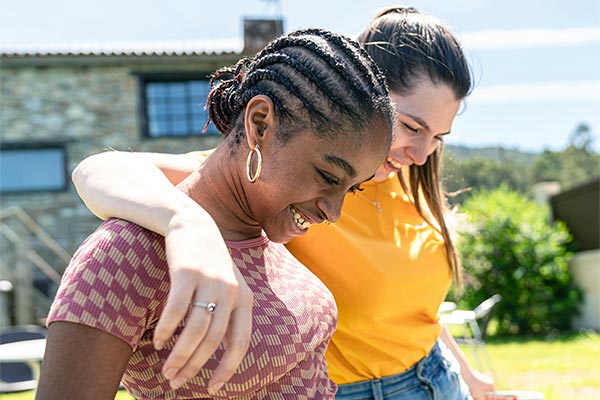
316, 80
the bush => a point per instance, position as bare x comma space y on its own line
509, 246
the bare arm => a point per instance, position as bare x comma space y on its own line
479, 383
139, 187
81, 363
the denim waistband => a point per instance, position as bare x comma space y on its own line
422, 371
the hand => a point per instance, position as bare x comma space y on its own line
201, 269
479, 384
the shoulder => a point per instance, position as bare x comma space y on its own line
116, 241
121, 233
117, 281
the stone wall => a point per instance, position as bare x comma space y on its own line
91, 107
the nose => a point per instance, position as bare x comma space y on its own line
418, 154
331, 206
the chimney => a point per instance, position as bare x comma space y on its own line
259, 32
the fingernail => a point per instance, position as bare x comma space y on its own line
177, 382
159, 344
170, 373
214, 388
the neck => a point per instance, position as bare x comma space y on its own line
218, 187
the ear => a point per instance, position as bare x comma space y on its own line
260, 121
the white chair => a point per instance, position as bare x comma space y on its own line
474, 323
446, 307
18, 376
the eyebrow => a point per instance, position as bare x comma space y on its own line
424, 124
341, 163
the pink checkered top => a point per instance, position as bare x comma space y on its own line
118, 282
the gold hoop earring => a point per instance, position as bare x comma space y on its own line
253, 178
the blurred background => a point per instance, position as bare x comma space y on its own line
78, 78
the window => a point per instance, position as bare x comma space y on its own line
173, 105
32, 167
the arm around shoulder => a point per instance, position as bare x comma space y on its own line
139, 187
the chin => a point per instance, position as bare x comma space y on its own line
278, 238
382, 174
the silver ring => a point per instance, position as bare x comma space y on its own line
209, 307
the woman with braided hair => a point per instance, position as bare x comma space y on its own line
307, 120
389, 260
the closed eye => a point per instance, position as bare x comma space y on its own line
410, 128
328, 178
333, 181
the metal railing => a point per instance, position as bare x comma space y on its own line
27, 262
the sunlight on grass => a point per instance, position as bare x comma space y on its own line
563, 367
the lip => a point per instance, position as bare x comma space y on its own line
394, 165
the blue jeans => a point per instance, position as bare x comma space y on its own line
436, 377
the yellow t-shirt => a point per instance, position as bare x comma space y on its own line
388, 273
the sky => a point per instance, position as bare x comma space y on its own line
536, 63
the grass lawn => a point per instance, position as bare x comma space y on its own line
563, 367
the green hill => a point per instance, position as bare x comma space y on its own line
495, 153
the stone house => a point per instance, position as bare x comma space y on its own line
60, 104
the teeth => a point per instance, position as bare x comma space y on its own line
299, 220
394, 163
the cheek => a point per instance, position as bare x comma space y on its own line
401, 136
284, 187
403, 140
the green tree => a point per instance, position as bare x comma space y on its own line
466, 169
582, 138
509, 246
481, 173
546, 167
576, 164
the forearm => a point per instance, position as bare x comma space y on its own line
140, 187
132, 187
465, 368
479, 384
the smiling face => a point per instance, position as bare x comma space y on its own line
304, 181
422, 119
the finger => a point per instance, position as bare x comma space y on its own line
195, 330
237, 341
212, 338
180, 296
